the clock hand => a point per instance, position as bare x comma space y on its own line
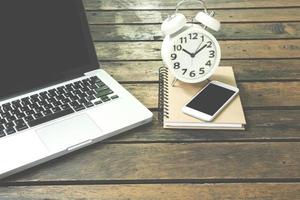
200, 50
191, 54
199, 46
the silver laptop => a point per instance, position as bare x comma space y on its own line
54, 98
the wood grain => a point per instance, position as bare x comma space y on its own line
245, 70
225, 16
256, 49
170, 4
260, 39
270, 191
228, 32
246, 160
256, 94
262, 125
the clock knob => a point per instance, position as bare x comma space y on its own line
208, 21
173, 24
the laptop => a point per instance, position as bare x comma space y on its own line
54, 98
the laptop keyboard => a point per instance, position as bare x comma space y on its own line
37, 109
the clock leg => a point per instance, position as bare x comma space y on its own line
209, 80
173, 82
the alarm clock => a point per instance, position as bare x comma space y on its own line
190, 52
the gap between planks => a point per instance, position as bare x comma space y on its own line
239, 191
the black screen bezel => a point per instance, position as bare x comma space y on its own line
94, 64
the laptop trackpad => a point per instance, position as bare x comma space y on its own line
69, 133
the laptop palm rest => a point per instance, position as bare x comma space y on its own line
69, 134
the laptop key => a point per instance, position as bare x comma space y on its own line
52, 93
65, 106
35, 98
38, 115
7, 108
51, 100
20, 115
39, 109
48, 106
90, 98
105, 99
28, 118
29, 112
10, 131
25, 108
56, 109
9, 125
102, 88
21, 127
90, 92
11, 118
104, 93
98, 102
2, 134
5, 115
70, 87
89, 104
2, 121
47, 112
79, 107
114, 97
50, 117
26, 101
57, 103
19, 122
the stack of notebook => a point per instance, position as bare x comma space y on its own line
173, 98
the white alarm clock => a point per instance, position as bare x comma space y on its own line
190, 52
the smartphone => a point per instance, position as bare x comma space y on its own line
210, 101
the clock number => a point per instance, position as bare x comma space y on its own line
174, 56
209, 44
193, 36
201, 70
183, 40
177, 47
184, 71
192, 73
211, 54
202, 38
176, 65
208, 63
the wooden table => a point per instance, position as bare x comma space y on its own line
261, 40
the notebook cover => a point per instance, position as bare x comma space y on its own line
181, 93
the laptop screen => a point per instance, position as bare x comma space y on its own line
42, 42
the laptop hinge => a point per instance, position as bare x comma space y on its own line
90, 73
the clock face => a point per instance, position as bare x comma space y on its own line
194, 55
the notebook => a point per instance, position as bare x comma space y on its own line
173, 98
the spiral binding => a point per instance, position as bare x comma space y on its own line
163, 96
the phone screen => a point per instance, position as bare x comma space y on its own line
211, 99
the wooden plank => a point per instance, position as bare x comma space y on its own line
262, 125
256, 49
245, 70
170, 4
274, 191
276, 94
154, 16
256, 94
172, 161
228, 32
